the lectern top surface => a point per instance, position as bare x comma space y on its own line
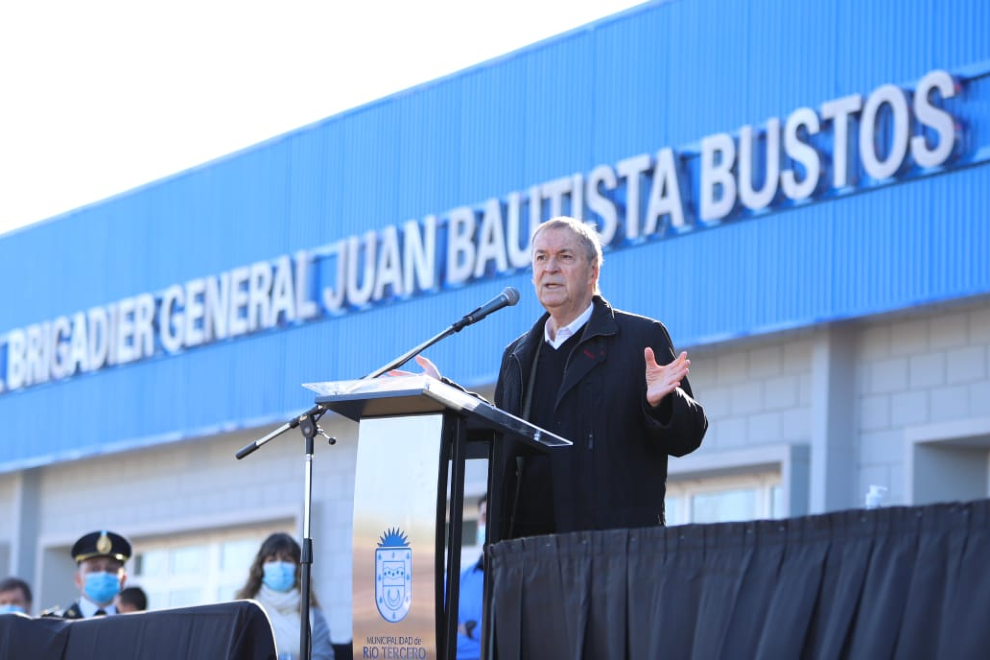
416, 394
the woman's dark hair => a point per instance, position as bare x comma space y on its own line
276, 544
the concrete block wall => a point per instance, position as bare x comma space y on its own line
757, 392
929, 367
912, 370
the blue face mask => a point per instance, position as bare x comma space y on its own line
480, 538
279, 575
101, 587
10, 608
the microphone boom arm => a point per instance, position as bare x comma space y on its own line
405, 357
509, 296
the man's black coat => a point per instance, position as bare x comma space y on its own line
614, 475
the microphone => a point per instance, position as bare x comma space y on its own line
507, 298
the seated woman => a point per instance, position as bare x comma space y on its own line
273, 581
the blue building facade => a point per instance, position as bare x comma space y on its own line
807, 182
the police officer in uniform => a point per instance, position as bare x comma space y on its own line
100, 575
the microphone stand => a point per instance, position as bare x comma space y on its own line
307, 423
309, 430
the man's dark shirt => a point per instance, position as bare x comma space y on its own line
535, 514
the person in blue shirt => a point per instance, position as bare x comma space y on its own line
471, 598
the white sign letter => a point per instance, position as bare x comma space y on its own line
665, 194
892, 96
801, 152
931, 116
717, 172
460, 245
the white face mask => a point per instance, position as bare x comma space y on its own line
480, 536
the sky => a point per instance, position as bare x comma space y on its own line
102, 96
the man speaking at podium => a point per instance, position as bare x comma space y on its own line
608, 381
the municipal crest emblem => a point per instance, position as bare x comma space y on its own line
393, 576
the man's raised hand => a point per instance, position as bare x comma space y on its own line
662, 379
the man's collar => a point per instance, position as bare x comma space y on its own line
602, 323
88, 608
568, 330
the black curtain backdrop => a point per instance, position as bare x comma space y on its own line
899, 582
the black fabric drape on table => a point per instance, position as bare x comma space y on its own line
22, 637
899, 582
227, 631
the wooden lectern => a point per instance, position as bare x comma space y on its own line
406, 555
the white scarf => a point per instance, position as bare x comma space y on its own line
283, 608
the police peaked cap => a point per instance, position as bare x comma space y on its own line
101, 544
